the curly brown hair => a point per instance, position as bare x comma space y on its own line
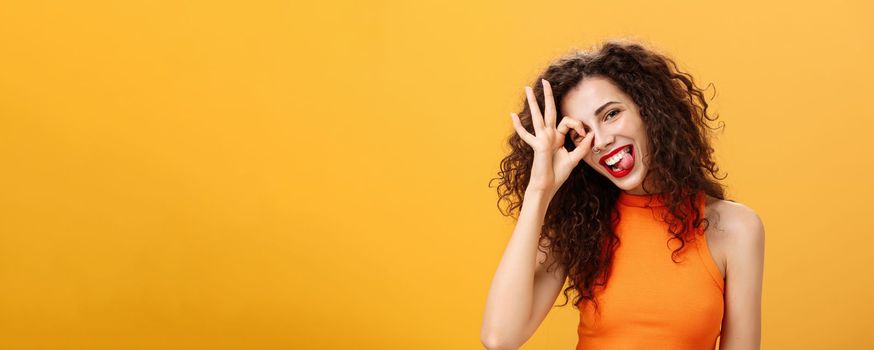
578, 225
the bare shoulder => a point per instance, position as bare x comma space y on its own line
735, 232
736, 220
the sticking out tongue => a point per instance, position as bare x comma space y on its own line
626, 162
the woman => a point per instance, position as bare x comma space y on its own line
640, 229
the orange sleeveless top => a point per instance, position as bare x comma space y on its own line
649, 301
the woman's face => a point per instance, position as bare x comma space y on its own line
615, 120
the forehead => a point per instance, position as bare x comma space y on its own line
581, 101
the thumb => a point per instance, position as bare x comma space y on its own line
582, 148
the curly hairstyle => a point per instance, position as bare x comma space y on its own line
578, 225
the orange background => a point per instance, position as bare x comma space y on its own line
313, 175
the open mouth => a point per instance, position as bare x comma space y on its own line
621, 162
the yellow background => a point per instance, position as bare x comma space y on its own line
313, 175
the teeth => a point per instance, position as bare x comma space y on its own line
618, 156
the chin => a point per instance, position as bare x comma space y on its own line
627, 185
629, 182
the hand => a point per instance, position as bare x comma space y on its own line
552, 162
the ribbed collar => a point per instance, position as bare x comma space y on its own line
642, 200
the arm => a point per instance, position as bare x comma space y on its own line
522, 291
742, 322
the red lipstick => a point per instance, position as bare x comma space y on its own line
620, 173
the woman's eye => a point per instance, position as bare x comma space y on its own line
610, 114
574, 135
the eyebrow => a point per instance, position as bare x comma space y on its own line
598, 111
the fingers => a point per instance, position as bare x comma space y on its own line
583, 148
536, 117
549, 101
568, 123
524, 134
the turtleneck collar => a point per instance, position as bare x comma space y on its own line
641, 200
650, 200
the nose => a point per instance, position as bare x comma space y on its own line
602, 142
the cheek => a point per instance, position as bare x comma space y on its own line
643, 156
